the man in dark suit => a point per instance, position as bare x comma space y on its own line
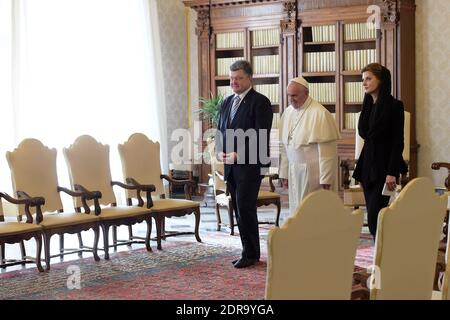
243, 145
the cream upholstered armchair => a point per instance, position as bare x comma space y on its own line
18, 232
442, 292
407, 243
223, 199
312, 255
441, 263
353, 193
88, 163
33, 172
140, 164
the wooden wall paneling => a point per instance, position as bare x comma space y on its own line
406, 70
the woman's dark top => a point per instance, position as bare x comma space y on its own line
381, 126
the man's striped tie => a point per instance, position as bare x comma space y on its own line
234, 108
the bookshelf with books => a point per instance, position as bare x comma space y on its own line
260, 46
319, 63
333, 55
328, 42
360, 47
357, 42
231, 30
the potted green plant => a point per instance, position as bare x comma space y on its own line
210, 108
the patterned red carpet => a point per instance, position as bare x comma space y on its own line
183, 270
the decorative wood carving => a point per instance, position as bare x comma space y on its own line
389, 11
289, 25
203, 23
196, 4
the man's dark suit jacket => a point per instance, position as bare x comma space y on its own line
254, 112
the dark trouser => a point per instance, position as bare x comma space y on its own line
244, 194
375, 201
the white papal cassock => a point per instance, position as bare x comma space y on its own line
309, 153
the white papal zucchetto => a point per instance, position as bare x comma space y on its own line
302, 81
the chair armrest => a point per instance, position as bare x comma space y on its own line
87, 195
220, 175
28, 202
148, 188
439, 165
273, 176
188, 184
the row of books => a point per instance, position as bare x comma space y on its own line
223, 65
230, 40
360, 31
274, 148
224, 91
323, 92
354, 92
358, 59
276, 121
260, 38
324, 33
271, 91
266, 64
351, 121
265, 37
320, 61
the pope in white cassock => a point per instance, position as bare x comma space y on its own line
309, 136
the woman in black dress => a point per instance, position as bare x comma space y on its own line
381, 126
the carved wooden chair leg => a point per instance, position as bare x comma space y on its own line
23, 251
80, 243
47, 238
163, 229
2, 255
197, 224
61, 245
130, 234
159, 225
219, 221
149, 231
187, 192
38, 252
277, 221
114, 237
95, 248
105, 229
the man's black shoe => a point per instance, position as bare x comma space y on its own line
234, 261
244, 263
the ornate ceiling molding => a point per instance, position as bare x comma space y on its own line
203, 4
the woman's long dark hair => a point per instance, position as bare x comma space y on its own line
375, 125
